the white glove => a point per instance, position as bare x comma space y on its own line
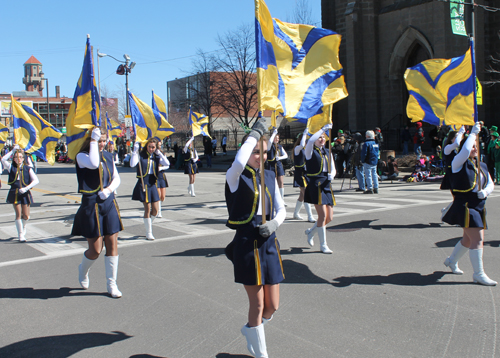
461, 130
136, 147
22, 190
104, 194
268, 228
96, 134
330, 176
476, 129
16, 147
306, 131
158, 152
481, 194
327, 127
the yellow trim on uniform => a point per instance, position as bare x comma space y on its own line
300, 166
15, 197
255, 200
474, 182
320, 195
483, 214
333, 196
466, 221
118, 211
97, 218
271, 204
257, 263
304, 181
279, 255
15, 178
321, 168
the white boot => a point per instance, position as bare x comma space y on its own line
266, 320
476, 259
249, 345
298, 206
256, 339
310, 216
83, 272
20, 231
25, 222
322, 240
152, 218
452, 261
192, 190
282, 192
310, 235
159, 211
111, 265
149, 228
189, 189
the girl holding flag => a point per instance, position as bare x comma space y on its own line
299, 176
98, 218
22, 178
255, 251
161, 183
149, 159
275, 155
190, 166
468, 207
318, 190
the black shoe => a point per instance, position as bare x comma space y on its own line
375, 191
359, 189
369, 191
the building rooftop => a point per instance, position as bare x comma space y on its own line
26, 94
32, 60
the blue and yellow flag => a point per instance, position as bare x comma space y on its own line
160, 111
4, 134
198, 123
83, 113
273, 121
298, 68
442, 91
114, 129
317, 122
33, 133
143, 118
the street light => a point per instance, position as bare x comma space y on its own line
122, 70
48, 106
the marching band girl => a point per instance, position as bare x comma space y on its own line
318, 190
98, 217
162, 184
255, 251
190, 166
467, 209
300, 178
275, 154
145, 190
22, 178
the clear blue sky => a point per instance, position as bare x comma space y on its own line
156, 30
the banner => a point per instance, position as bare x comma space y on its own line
457, 16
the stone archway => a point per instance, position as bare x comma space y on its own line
406, 43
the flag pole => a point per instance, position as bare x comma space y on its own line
473, 49
139, 159
100, 122
262, 180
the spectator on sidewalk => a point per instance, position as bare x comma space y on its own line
392, 170
369, 158
214, 146
207, 150
224, 144
418, 139
379, 138
405, 138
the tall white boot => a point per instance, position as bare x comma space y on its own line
25, 222
310, 216
20, 231
452, 260
83, 271
189, 189
310, 235
256, 339
192, 190
476, 259
152, 218
159, 211
322, 240
149, 228
298, 206
111, 265
282, 192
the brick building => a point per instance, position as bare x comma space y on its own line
381, 38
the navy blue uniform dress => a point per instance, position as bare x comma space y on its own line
272, 162
150, 195
318, 190
467, 210
96, 217
299, 174
256, 259
162, 181
189, 166
16, 173
446, 183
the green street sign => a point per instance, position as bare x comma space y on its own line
457, 16
63, 130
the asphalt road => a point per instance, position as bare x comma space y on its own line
383, 293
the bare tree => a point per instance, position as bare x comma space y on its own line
302, 13
237, 82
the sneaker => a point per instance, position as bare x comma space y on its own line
359, 189
368, 191
375, 191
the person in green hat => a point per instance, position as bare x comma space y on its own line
496, 155
490, 158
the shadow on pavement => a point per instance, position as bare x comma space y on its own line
400, 279
145, 356
227, 355
60, 346
366, 224
45, 293
453, 241
296, 272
